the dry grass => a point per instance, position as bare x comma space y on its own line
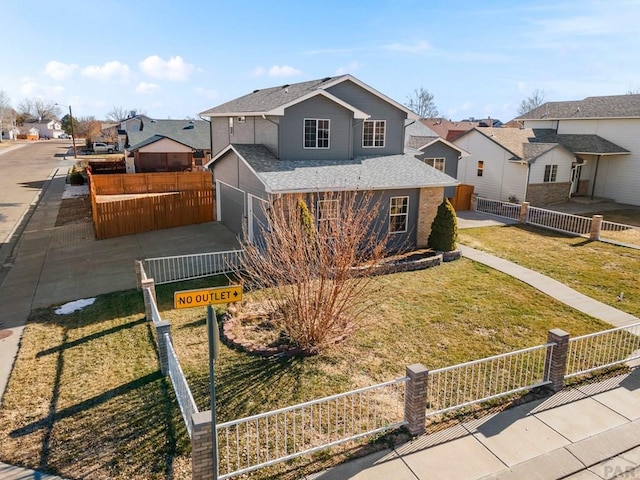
596, 269
86, 399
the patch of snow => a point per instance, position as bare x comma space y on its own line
75, 191
71, 307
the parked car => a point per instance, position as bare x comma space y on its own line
64, 136
99, 147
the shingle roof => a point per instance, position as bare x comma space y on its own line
580, 143
613, 106
361, 173
267, 99
193, 133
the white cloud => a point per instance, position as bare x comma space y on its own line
206, 93
283, 71
60, 71
147, 88
461, 111
108, 71
30, 88
418, 47
351, 68
175, 69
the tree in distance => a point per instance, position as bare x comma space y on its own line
313, 263
421, 102
532, 101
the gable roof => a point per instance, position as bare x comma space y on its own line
192, 133
613, 106
273, 101
361, 173
527, 144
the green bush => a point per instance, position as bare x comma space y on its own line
444, 229
76, 178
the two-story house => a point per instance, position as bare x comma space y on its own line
328, 135
593, 125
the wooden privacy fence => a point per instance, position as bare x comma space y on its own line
164, 200
132, 183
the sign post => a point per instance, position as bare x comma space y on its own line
208, 297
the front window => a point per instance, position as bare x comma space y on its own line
398, 214
373, 133
480, 168
550, 173
316, 133
437, 163
327, 212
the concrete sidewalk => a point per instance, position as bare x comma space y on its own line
591, 432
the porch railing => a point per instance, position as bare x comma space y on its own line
186, 267
559, 221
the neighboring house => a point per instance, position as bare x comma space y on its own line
46, 129
536, 165
611, 173
435, 151
450, 130
168, 146
311, 138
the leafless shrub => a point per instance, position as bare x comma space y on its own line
313, 261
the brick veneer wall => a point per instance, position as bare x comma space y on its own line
547, 193
430, 200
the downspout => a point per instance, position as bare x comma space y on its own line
595, 176
526, 184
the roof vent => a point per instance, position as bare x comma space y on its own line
256, 91
326, 79
285, 87
188, 127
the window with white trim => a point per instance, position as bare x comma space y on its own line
327, 212
398, 214
480, 167
316, 133
373, 133
437, 163
550, 173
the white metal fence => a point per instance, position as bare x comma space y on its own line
496, 207
619, 233
258, 441
559, 221
474, 382
186, 267
180, 386
603, 349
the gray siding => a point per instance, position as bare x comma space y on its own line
292, 131
267, 133
232, 171
379, 110
380, 201
219, 134
255, 130
440, 150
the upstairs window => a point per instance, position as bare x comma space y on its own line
550, 173
316, 133
398, 214
373, 133
437, 163
480, 167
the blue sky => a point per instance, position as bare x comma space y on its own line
174, 59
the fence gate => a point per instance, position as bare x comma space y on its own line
232, 209
462, 199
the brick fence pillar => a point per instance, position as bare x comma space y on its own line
139, 269
556, 360
201, 441
163, 332
474, 202
149, 293
415, 398
596, 226
524, 212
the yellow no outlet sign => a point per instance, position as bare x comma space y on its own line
207, 296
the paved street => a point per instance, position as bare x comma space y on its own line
24, 168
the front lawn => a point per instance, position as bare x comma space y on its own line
599, 270
86, 399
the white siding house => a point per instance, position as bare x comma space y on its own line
612, 173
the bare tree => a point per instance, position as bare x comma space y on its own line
421, 102
532, 101
633, 91
316, 272
117, 114
5, 110
38, 109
